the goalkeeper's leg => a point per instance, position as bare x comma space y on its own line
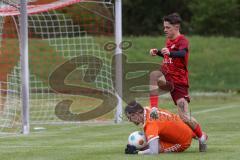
167, 147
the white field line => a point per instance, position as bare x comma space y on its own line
216, 109
197, 94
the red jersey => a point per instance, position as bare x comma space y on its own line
177, 71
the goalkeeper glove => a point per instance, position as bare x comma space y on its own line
130, 149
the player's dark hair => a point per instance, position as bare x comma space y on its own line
173, 18
133, 107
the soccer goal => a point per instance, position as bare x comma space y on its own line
70, 63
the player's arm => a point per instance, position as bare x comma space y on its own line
175, 54
178, 54
154, 147
155, 52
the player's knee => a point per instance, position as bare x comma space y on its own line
154, 75
165, 85
161, 81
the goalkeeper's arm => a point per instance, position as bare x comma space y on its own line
154, 147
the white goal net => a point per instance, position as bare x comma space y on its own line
70, 69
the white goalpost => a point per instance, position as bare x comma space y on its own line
118, 53
54, 66
24, 66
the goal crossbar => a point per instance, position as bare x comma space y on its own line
34, 9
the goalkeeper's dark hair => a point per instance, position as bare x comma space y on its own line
173, 18
133, 107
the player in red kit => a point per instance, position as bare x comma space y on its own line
173, 74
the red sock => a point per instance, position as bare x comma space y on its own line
198, 131
194, 135
154, 101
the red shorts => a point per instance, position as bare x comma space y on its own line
180, 91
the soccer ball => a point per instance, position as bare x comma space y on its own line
137, 139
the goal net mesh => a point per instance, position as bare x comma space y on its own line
70, 69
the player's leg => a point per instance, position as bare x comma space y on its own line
154, 76
166, 147
157, 81
182, 105
183, 112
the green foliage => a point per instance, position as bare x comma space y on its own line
205, 17
141, 17
219, 17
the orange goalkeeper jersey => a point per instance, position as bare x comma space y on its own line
168, 127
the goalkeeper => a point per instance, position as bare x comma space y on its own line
168, 133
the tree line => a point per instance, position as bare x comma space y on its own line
205, 17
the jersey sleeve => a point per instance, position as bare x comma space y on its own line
183, 44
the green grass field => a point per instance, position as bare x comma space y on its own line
214, 66
219, 116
